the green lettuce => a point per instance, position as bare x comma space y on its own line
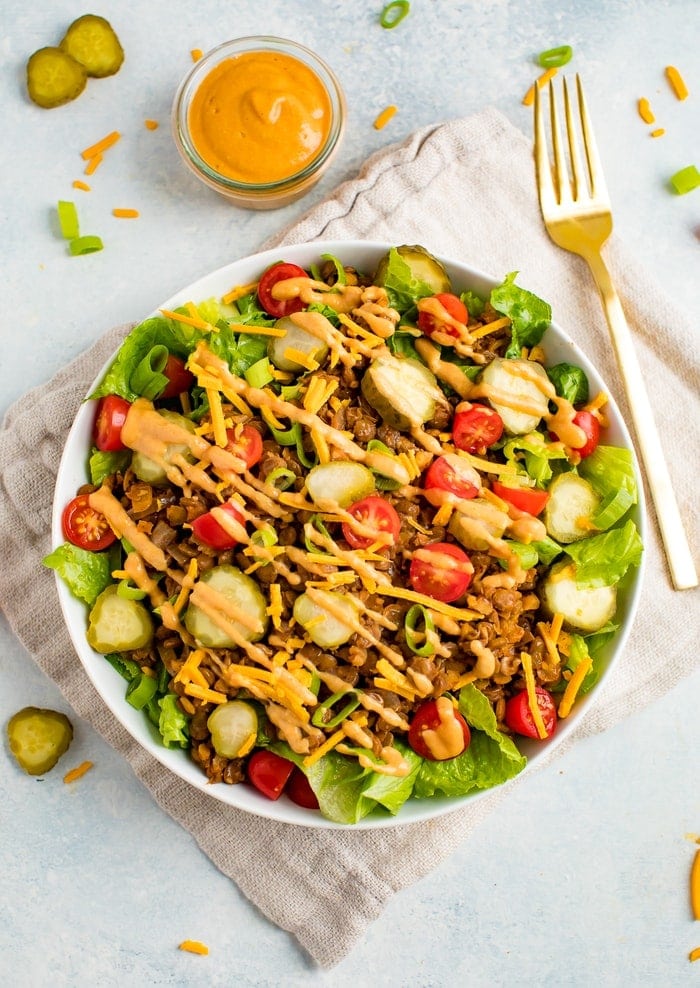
569, 382
603, 560
475, 305
86, 574
491, 759
610, 470
346, 791
536, 454
529, 315
403, 290
173, 723
103, 465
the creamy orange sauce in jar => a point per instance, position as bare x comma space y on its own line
260, 117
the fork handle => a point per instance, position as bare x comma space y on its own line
680, 560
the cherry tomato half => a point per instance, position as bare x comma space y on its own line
377, 514
111, 415
519, 718
475, 427
455, 307
269, 772
179, 378
245, 443
441, 570
85, 527
448, 733
207, 530
452, 473
527, 499
591, 427
299, 790
274, 306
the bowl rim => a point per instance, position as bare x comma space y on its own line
240, 46
110, 687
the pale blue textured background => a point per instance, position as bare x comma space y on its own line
580, 877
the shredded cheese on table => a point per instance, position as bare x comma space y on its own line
677, 82
384, 117
645, 111
194, 947
77, 773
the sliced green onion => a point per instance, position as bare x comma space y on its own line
266, 536
126, 546
163, 678
141, 690
316, 522
286, 437
129, 592
685, 180
259, 374
323, 708
415, 617
146, 379
382, 483
290, 392
68, 219
281, 478
554, 58
126, 668
394, 13
303, 457
85, 245
341, 277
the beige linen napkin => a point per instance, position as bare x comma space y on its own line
464, 189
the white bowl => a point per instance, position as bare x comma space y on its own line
111, 687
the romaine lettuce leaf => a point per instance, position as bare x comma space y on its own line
85, 573
346, 792
569, 382
173, 723
610, 470
104, 464
536, 454
603, 560
529, 315
490, 759
403, 290
475, 305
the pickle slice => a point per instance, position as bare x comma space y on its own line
38, 738
54, 78
92, 41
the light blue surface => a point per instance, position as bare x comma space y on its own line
581, 875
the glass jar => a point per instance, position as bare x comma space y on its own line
243, 155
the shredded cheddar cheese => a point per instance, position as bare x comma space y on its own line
645, 111
299, 357
573, 686
694, 954
196, 322
196, 54
77, 773
125, 214
193, 947
677, 82
100, 146
489, 327
532, 703
459, 614
186, 586
239, 291
204, 693
695, 886
327, 746
151, 124
217, 417
83, 186
384, 117
93, 164
529, 97
659, 132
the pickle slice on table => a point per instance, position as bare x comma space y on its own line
92, 41
54, 77
38, 738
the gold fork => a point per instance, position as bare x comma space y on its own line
578, 217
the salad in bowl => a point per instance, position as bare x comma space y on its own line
347, 534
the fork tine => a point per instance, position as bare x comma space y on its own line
579, 181
543, 168
595, 167
562, 174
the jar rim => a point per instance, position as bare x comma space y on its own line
239, 46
